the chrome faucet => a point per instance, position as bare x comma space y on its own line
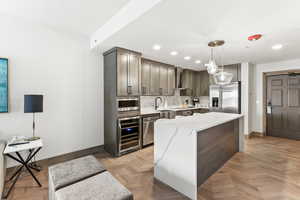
155, 102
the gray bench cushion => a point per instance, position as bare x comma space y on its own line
100, 187
70, 172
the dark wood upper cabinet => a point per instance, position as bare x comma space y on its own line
157, 78
146, 77
204, 83
171, 80
163, 79
128, 70
197, 83
234, 69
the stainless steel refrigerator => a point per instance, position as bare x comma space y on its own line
225, 98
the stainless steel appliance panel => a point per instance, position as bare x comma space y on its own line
231, 98
128, 104
129, 134
226, 98
215, 92
148, 129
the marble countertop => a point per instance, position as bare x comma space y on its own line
199, 122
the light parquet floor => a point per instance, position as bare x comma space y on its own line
268, 170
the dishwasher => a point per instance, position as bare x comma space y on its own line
148, 129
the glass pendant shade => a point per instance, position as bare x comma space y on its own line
223, 78
212, 67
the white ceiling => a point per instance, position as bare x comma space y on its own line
183, 26
187, 27
75, 16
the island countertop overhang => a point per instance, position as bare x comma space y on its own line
199, 122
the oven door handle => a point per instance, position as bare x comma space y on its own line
122, 119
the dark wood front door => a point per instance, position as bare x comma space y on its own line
283, 106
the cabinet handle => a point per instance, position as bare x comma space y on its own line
129, 89
144, 89
160, 91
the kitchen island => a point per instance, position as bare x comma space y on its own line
187, 150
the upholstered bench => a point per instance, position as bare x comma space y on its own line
84, 179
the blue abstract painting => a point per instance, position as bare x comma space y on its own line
3, 85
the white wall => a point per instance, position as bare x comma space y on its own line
62, 67
257, 118
246, 107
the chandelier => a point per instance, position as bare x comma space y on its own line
220, 77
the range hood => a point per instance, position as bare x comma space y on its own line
179, 78
179, 83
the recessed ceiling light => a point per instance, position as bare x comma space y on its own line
156, 47
198, 61
187, 58
174, 53
277, 46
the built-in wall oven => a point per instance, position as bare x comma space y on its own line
129, 134
127, 104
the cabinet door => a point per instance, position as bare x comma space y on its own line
134, 74
205, 82
163, 80
154, 80
146, 69
171, 81
197, 83
235, 70
122, 74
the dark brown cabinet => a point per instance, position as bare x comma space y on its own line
128, 73
197, 83
163, 80
171, 80
157, 78
234, 69
204, 83
146, 77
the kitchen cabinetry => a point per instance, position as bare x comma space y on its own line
234, 69
171, 80
204, 83
128, 72
146, 77
163, 80
157, 78
197, 83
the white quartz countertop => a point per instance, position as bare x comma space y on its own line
199, 122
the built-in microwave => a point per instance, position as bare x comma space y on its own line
128, 104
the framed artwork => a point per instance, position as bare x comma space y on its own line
3, 85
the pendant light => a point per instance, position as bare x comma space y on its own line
222, 78
212, 67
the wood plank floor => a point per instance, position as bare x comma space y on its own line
268, 170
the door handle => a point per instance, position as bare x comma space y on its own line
269, 108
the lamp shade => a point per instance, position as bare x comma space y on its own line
33, 103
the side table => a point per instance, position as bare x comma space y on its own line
33, 147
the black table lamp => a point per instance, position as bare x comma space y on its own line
33, 104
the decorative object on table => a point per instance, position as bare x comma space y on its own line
33, 104
3, 85
33, 147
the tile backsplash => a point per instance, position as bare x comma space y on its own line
171, 101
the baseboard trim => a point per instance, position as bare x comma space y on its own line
67, 156
254, 134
